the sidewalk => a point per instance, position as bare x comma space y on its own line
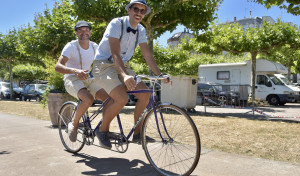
32, 147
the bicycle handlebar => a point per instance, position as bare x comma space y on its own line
153, 78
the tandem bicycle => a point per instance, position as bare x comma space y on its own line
177, 148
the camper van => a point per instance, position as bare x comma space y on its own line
267, 86
295, 97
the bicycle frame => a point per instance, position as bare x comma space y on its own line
151, 105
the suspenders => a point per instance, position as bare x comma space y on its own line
80, 53
122, 29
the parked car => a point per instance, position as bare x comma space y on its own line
214, 92
5, 92
297, 84
33, 91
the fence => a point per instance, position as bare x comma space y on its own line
221, 95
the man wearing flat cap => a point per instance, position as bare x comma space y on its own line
75, 62
111, 70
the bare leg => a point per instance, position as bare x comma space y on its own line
103, 95
86, 101
143, 100
120, 98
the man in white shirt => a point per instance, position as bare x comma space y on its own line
110, 69
75, 62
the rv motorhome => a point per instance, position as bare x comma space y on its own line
267, 86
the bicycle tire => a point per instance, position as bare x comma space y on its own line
66, 113
179, 152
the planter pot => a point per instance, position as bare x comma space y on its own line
55, 101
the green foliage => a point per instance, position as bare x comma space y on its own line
232, 38
29, 72
52, 30
292, 6
287, 56
56, 80
180, 60
165, 14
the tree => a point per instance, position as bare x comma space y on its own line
29, 72
51, 31
180, 60
287, 56
292, 6
165, 14
9, 54
232, 38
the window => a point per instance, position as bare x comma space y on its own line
223, 75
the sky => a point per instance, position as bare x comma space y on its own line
18, 13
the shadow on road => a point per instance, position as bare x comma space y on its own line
114, 166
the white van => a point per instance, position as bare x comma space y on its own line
267, 86
296, 95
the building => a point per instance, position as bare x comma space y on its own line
175, 39
253, 22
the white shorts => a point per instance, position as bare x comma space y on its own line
106, 75
73, 84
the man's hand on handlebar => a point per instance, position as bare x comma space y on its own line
166, 78
129, 82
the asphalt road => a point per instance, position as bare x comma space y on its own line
32, 147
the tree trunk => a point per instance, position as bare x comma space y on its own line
294, 77
289, 70
150, 44
253, 56
10, 79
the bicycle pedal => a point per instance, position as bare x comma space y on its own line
114, 135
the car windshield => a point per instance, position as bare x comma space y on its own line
275, 80
42, 87
204, 87
6, 85
286, 81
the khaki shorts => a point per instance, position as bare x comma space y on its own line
106, 75
73, 84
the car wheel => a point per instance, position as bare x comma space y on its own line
222, 100
273, 100
1, 96
23, 98
38, 98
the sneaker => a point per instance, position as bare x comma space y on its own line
137, 139
72, 132
103, 139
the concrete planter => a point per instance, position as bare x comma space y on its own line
55, 101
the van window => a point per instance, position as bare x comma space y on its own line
223, 75
263, 80
275, 80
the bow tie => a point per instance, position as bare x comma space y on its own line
129, 29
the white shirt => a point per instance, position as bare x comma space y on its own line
127, 42
71, 51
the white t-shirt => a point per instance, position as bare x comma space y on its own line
71, 51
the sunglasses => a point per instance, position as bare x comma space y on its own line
137, 10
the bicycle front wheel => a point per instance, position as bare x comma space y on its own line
66, 113
176, 150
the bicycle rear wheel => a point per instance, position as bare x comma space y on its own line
66, 113
176, 150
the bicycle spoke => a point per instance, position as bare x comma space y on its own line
65, 116
178, 151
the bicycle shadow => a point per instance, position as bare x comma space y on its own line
115, 166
